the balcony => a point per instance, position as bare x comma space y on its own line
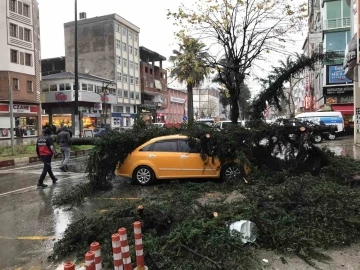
336, 23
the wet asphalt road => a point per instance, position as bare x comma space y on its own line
29, 224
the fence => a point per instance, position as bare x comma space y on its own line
121, 252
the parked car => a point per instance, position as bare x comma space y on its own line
159, 124
223, 124
170, 157
98, 132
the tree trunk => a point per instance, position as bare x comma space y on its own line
234, 115
190, 103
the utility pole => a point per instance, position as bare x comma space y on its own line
11, 119
76, 111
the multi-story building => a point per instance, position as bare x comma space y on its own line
20, 67
177, 106
97, 96
52, 65
206, 102
108, 46
153, 86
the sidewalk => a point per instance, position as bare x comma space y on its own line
32, 159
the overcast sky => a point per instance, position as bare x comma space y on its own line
156, 32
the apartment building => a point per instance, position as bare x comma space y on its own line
108, 46
154, 94
177, 106
20, 67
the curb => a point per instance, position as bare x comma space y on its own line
29, 160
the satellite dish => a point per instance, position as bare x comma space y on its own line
87, 71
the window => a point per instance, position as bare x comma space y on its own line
151, 84
146, 70
119, 92
28, 59
125, 78
15, 84
26, 10
147, 148
45, 88
131, 64
27, 35
337, 41
131, 79
124, 31
130, 34
132, 94
22, 60
67, 86
98, 89
136, 66
53, 87
185, 147
12, 5
14, 56
91, 88
118, 60
117, 27
119, 76
125, 62
135, 51
13, 30
119, 108
137, 95
128, 109
151, 71
118, 44
333, 10
84, 86
136, 37
29, 86
136, 80
21, 33
146, 83
126, 94
130, 49
124, 47
20, 5
61, 87
165, 146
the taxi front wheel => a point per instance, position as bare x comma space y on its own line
232, 171
144, 175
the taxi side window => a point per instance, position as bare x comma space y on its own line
186, 148
147, 148
165, 146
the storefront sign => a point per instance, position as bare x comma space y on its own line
337, 90
177, 100
98, 106
121, 115
60, 96
339, 99
315, 37
92, 114
21, 108
336, 75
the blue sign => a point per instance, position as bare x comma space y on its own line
337, 75
184, 118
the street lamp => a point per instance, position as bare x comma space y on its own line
76, 109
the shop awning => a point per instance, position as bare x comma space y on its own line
344, 108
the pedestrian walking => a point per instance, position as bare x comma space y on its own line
45, 150
64, 140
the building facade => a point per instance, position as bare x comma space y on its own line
206, 102
108, 46
97, 98
177, 106
52, 65
20, 67
154, 94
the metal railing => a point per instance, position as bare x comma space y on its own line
336, 23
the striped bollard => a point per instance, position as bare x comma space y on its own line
125, 251
140, 263
69, 266
95, 247
90, 260
116, 247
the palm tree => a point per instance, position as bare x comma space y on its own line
189, 66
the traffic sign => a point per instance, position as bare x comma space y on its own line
185, 118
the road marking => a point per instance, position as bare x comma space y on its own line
39, 164
31, 187
29, 238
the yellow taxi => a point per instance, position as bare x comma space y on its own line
170, 157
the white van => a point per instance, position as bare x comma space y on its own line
328, 118
223, 124
208, 121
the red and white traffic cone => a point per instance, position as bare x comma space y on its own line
116, 247
140, 263
69, 266
125, 251
90, 260
95, 247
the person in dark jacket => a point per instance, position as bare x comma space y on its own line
64, 141
45, 150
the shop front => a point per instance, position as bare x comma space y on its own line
147, 113
25, 121
122, 119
